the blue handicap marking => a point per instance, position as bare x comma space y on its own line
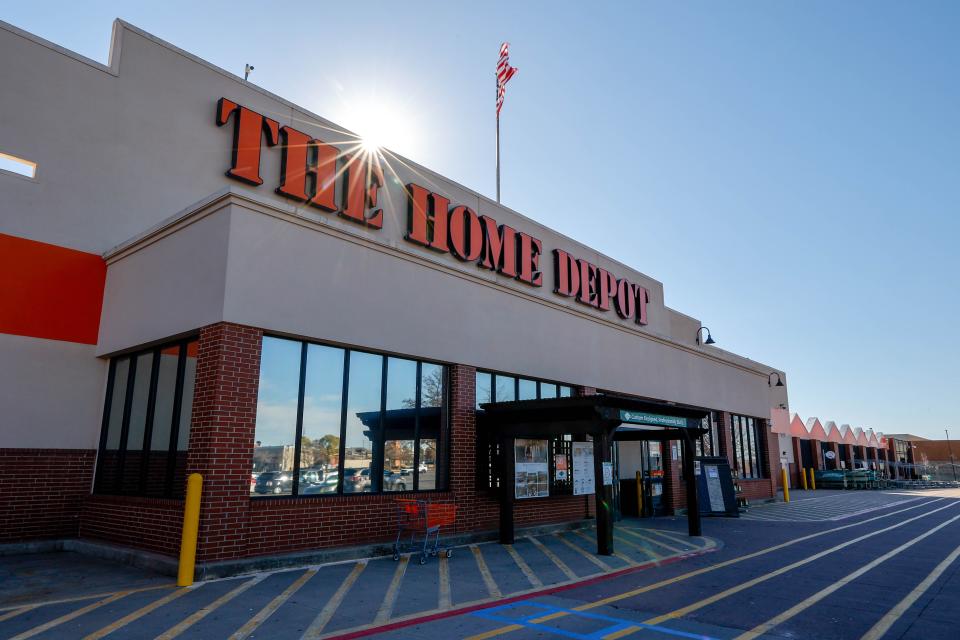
502, 614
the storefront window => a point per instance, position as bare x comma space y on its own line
146, 416
484, 388
322, 411
363, 421
527, 390
429, 426
503, 388
276, 431
506, 389
400, 427
369, 423
747, 447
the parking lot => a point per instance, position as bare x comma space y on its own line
873, 565
315, 602
891, 572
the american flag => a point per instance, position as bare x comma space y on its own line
504, 73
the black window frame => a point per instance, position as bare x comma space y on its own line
133, 370
749, 440
488, 449
376, 464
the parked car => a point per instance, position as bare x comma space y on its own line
327, 486
397, 481
310, 476
356, 480
275, 482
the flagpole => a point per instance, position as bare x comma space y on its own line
497, 94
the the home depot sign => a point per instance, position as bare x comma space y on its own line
310, 170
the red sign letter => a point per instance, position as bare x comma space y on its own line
529, 260
499, 247
643, 297
566, 275
248, 127
588, 283
466, 234
427, 217
608, 287
626, 304
307, 167
361, 179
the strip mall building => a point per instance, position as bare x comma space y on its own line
199, 276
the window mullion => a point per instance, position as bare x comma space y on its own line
175, 419
125, 426
295, 479
105, 426
416, 431
148, 426
379, 444
343, 418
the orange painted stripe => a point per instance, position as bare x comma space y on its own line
48, 291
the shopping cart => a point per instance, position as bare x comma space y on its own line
422, 518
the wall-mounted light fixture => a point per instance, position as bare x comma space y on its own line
709, 339
770, 381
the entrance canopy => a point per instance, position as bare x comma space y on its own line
605, 418
617, 417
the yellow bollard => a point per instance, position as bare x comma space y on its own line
191, 524
803, 478
813, 480
786, 489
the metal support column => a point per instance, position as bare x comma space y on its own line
604, 495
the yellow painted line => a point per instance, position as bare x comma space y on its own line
553, 558
698, 572
488, 580
389, 600
261, 616
524, 567
883, 625
316, 627
70, 616
586, 554
444, 601
621, 633
197, 616
93, 596
139, 613
653, 540
643, 548
690, 608
15, 612
630, 561
839, 584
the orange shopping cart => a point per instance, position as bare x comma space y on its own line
418, 518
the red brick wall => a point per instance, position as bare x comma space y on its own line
288, 525
153, 524
221, 436
42, 491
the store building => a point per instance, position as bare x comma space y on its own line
202, 277
827, 448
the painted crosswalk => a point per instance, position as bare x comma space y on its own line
322, 601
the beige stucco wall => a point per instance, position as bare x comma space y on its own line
294, 276
51, 394
122, 148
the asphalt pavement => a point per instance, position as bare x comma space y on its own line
829, 565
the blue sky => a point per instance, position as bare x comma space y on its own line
789, 171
